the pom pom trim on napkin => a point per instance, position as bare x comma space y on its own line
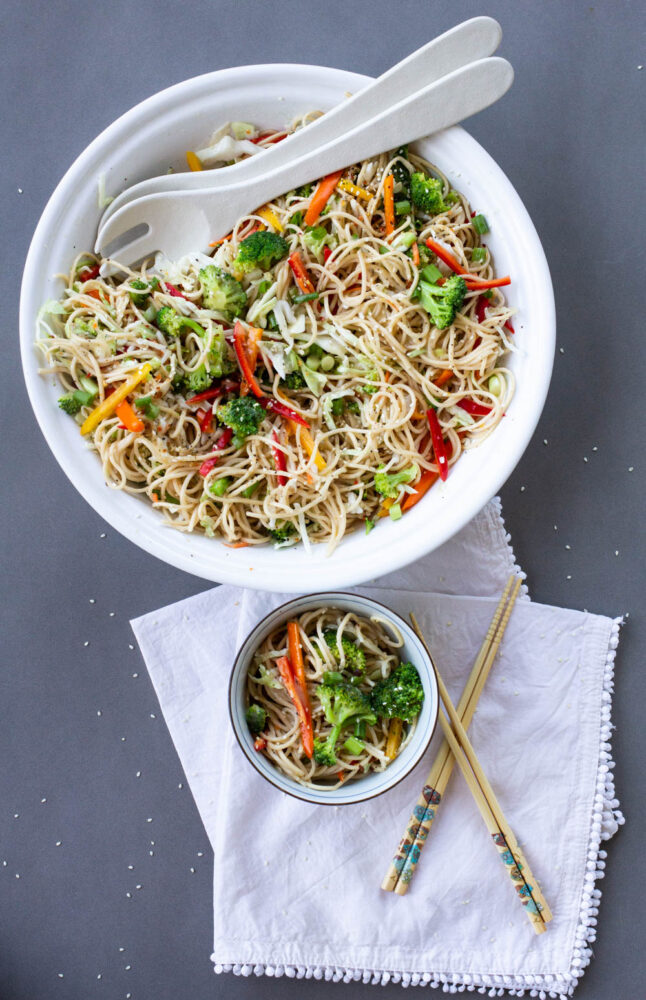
606, 819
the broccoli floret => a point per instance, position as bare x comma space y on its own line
139, 297
72, 402
282, 532
442, 301
219, 362
172, 323
342, 704
243, 415
256, 717
355, 658
294, 381
388, 483
426, 193
262, 249
400, 695
146, 404
317, 237
198, 380
401, 173
221, 291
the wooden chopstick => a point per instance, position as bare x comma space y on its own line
405, 861
516, 865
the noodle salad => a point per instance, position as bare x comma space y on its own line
329, 699
320, 370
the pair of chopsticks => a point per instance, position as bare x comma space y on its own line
457, 747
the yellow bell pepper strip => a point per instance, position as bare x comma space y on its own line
310, 447
324, 191
354, 189
270, 217
109, 405
385, 507
389, 204
193, 160
394, 738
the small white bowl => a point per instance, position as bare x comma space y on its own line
145, 142
376, 782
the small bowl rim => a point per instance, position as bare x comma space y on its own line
304, 797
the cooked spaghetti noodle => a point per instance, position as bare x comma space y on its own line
353, 374
281, 735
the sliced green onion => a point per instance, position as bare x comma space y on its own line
272, 322
332, 677
353, 745
263, 287
169, 499
250, 490
478, 255
395, 512
309, 297
297, 219
480, 224
220, 486
495, 385
402, 207
430, 273
328, 363
369, 525
383, 249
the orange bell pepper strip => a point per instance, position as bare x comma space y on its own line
129, 418
298, 696
110, 403
389, 204
253, 340
324, 191
299, 271
295, 654
444, 377
422, 487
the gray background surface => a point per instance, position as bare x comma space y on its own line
79, 722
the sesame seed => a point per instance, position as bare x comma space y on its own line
544, 440
556, 527
180, 785
60, 975
131, 868
561, 350
122, 949
137, 887
594, 448
568, 546
130, 646
568, 577
20, 189
86, 643
58, 843
152, 843
152, 715
102, 535
128, 895
127, 968
522, 489
16, 815
584, 458
151, 853
138, 774
99, 976
639, 67
192, 871
631, 468
200, 854
92, 601
4, 864
17, 875
123, 739
135, 675
149, 820
616, 552
111, 614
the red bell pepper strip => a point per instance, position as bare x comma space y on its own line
202, 397
509, 327
299, 270
279, 460
239, 337
259, 743
270, 137
298, 697
481, 305
175, 292
327, 253
437, 440
205, 420
475, 409
220, 445
89, 273
283, 411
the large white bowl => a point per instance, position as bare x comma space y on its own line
145, 142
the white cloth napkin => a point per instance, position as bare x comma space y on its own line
296, 887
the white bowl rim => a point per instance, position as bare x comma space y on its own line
294, 789
225, 565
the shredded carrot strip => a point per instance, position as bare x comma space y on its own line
421, 487
321, 196
300, 273
389, 204
128, 417
216, 243
193, 160
415, 255
236, 545
444, 377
